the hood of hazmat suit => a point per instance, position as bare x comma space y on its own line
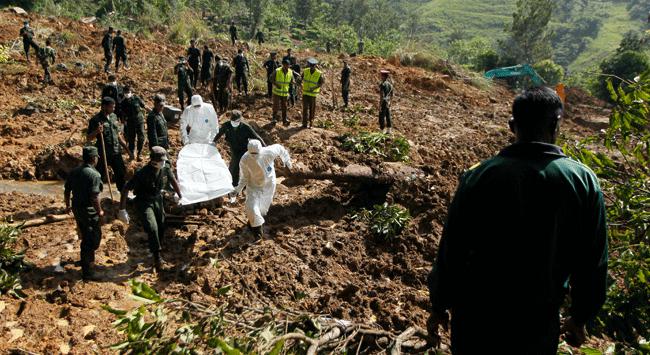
257, 175
201, 120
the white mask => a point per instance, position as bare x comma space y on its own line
129, 95
235, 124
158, 164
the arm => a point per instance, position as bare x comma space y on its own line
220, 133
124, 194
66, 197
243, 177
281, 152
94, 130
254, 135
97, 205
152, 131
175, 185
321, 80
183, 127
248, 68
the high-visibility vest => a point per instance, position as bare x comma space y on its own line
282, 81
310, 82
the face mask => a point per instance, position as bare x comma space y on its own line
158, 164
235, 124
129, 95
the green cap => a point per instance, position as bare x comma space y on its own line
90, 152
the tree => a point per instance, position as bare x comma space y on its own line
257, 9
305, 10
529, 37
621, 67
551, 72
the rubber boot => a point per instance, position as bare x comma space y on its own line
157, 262
258, 232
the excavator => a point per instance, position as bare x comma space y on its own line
524, 70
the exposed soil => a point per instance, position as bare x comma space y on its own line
316, 258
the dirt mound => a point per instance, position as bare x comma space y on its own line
317, 257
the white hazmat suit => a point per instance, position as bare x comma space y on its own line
202, 120
257, 175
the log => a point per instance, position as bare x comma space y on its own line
338, 177
53, 218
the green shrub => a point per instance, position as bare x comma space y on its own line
4, 54
551, 72
385, 221
11, 262
326, 124
625, 65
352, 121
391, 148
188, 25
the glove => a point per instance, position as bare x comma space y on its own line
177, 199
288, 164
123, 216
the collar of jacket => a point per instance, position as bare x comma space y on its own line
528, 149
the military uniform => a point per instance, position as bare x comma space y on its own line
220, 87
293, 88
27, 34
521, 228
270, 65
207, 58
386, 90
46, 56
345, 84
184, 85
85, 182
194, 60
112, 144
147, 184
237, 138
107, 45
241, 72
157, 130
132, 108
233, 34
119, 45
260, 38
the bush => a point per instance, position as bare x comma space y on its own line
391, 148
4, 54
386, 221
551, 72
11, 262
487, 61
625, 65
352, 121
326, 124
189, 25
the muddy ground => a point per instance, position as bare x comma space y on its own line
316, 257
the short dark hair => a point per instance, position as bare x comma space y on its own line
119, 32
240, 50
112, 77
536, 107
127, 89
48, 42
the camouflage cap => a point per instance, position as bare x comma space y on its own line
235, 115
159, 98
158, 154
106, 100
90, 152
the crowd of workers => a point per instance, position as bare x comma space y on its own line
524, 228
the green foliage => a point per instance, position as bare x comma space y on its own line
551, 72
572, 37
326, 124
352, 121
633, 41
626, 181
476, 53
4, 54
391, 148
11, 262
623, 67
529, 38
386, 221
188, 26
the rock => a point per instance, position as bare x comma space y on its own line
61, 67
88, 20
27, 110
355, 169
84, 48
18, 10
89, 332
64, 348
329, 249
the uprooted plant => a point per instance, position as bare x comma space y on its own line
11, 262
624, 171
385, 221
162, 325
391, 148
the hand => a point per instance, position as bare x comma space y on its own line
573, 333
68, 210
101, 213
435, 320
289, 165
123, 216
100, 129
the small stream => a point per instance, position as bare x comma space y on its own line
44, 188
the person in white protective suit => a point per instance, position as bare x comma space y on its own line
199, 122
257, 175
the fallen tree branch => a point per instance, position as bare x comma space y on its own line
41, 221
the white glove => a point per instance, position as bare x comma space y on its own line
288, 164
177, 200
123, 216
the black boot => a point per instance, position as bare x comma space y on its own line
157, 263
258, 232
87, 274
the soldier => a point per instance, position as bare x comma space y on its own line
222, 85
271, 65
27, 34
184, 87
237, 134
385, 97
115, 91
281, 80
312, 80
107, 45
119, 46
328, 46
345, 82
85, 184
260, 37
360, 46
104, 128
206, 66
194, 60
293, 92
233, 32
46, 56
157, 124
132, 107
241, 71
147, 184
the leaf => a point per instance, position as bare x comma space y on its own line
277, 348
117, 312
227, 349
590, 351
224, 290
119, 346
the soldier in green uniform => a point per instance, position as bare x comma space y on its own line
105, 124
157, 124
85, 185
133, 107
184, 87
222, 85
27, 34
237, 135
107, 46
525, 228
46, 56
119, 46
147, 184
385, 96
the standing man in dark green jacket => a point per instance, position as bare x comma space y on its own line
147, 184
525, 228
27, 34
107, 45
105, 125
119, 46
85, 185
133, 107
157, 124
184, 84
237, 135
